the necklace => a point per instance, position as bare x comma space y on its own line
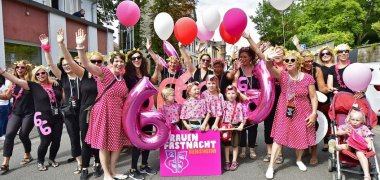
338, 77
118, 79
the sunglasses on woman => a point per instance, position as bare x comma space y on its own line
95, 61
326, 54
343, 51
206, 60
20, 67
41, 73
136, 58
289, 60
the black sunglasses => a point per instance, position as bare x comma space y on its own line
136, 58
206, 60
41, 73
96, 61
290, 60
20, 67
327, 53
343, 51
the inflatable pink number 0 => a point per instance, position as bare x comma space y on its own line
39, 123
134, 120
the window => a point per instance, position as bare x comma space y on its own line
55, 4
72, 6
15, 52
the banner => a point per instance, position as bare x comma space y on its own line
191, 154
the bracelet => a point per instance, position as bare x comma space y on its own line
80, 48
46, 47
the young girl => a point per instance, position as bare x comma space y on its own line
355, 122
194, 108
171, 109
214, 101
235, 115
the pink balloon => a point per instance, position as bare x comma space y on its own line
134, 120
264, 99
235, 21
128, 13
357, 76
169, 49
204, 34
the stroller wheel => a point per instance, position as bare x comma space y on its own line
341, 177
330, 165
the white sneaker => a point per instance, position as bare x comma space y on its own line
332, 146
269, 173
301, 166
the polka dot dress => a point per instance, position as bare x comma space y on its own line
105, 127
293, 132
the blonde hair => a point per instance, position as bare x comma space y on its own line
172, 59
328, 49
299, 58
28, 72
357, 111
95, 53
342, 47
281, 48
166, 92
36, 69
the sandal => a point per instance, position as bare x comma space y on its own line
313, 161
252, 155
78, 170
267, 158
227, 166
26, 161
234, 166
53, 163
4, 168
279, 159
41, 167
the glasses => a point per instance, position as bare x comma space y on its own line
136, 58
309, 62
343, 51
94, 61
20, 67
206, 60
289, 60
41, 73
326, 54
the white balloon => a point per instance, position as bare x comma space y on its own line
163, 25
321, 97
281, 4
323, 126
211, 19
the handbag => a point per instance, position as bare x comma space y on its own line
88, 109
68, 111
227, 135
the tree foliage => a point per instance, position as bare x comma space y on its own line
317, 21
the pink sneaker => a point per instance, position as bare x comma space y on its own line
227, 166
234, 166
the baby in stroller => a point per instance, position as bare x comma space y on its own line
357, 139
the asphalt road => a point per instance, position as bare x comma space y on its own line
248, 169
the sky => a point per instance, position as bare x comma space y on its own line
248, 6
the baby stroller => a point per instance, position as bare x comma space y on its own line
347, 161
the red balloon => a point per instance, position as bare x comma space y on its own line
227, 37
185, 30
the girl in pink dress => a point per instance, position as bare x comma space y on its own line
235, 115
294, 123
193, 109
356, 122
105, 129
214, 101
170, 109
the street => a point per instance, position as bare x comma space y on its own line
248, 169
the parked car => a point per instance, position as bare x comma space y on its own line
373, 90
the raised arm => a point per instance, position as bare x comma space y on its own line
93, 69
253, 45
270, 53
296, 43
155, 56
14, 79
187, 60
7, 94
79, 71
49, 60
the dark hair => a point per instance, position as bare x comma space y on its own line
117, 54
249, 51
130, 68
59, 65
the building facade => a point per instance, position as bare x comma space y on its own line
23, 21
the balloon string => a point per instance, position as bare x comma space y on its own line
283, 27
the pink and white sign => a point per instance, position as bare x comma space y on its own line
191, 154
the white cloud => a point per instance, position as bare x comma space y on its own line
248, 6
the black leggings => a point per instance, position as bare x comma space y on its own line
252, 135
25, 124
53, 140
144, 153
87, 151
72, 126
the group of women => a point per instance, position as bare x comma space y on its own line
88, 98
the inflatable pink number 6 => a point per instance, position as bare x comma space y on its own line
241, 86
134, 120
39, 123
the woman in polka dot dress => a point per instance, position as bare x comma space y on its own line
105, 128
294, 124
